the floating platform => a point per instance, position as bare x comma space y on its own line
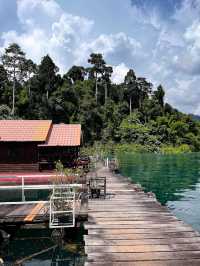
131, 228
32, 213
17, 207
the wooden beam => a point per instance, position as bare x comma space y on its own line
30, 217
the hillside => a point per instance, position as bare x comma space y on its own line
130, 112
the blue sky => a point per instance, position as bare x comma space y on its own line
159, 39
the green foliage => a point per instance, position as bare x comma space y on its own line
184, 148
132, 148
128, 116
68, 174
5, 112
75, 73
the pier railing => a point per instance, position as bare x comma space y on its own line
23, 187
61, 203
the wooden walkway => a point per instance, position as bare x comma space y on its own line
130, 227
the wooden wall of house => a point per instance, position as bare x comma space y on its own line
67, 155
18, 152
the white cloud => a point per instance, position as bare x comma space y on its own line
186, 93
65, 37
48, 29
187, 13
176, 58
119, 45
119, 73
38, 12
165, 50
192, 35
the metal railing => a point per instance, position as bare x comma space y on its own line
61, 202
23, 187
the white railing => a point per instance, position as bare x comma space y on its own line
23, 187
62, 202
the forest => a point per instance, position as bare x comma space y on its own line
130, 114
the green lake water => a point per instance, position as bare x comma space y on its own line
175, 180
24, 245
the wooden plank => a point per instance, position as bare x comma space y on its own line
138, 230
123, 192
194, 262
144, 256
34, 212
44, 210
143, 248
123, 201
136, 225
130, 220
117, 210
5, 210
152, 235
21, 210
126, 214
96, 241
133, 195
149, 205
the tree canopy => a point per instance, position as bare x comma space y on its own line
131, 112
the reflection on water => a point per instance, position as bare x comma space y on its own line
175, 179
25, 247
30, 195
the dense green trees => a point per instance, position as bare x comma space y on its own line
130, 112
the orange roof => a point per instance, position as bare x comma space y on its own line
24, 130
64, 135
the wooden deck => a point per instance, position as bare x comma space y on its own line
37, 213
130, 227
23, 213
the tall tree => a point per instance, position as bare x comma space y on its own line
145, 88
76, 73
31, 69
131, 87
47, 74
98, 68
14, 62
159, 94
107, 72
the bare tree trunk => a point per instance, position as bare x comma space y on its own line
96, 89
130, 105
13, 98
29, 86
106, 92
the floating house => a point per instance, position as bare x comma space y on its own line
37, 144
